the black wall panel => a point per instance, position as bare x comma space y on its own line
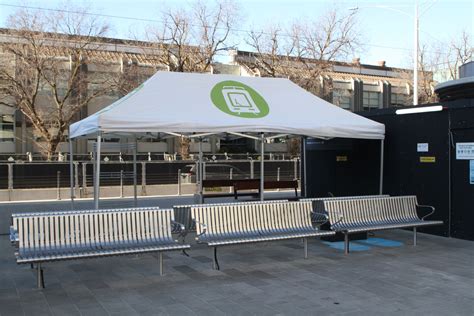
436, 177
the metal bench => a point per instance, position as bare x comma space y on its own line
319, 214
254, 222
66, 235
360, 215
182, 214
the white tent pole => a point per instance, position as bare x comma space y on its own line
97, 172
381, 167
71, 173
135, 172
262, 154
303, 161
201, 172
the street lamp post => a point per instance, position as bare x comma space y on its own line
415, 57
415, 43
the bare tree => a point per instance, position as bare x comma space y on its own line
305, 50
459, 52
46, 79
189, 40
440, 61
427, 66
272, 51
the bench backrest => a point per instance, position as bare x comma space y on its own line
182, 213
91, 228
252, 219
318, 207
330, 198
370, 211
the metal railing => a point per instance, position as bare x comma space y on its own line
149, 156
17, 176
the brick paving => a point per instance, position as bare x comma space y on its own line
434, 278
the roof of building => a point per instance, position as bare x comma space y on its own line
456, 89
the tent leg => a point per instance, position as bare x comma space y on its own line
303, 167
381, 167
200, 172
97, 172
135, 174
71, 173
262, 158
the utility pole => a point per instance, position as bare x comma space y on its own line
415, 57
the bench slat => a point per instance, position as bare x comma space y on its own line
254, 222
374, 213
61, 235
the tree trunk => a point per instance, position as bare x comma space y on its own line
51, 147
184, 147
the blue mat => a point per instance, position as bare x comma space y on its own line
380, 242
339, 245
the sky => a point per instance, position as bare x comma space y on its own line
387, 33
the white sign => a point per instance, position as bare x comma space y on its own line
465, 151
422, 147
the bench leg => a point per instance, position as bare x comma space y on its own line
215, 263
161, 262
414, 236
346, 243
305, 245
39, 276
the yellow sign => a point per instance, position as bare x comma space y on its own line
341, 158
427, 159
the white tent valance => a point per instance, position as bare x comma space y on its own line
203, 103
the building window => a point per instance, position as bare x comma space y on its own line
371, 100
398, 99
342, 98
7, 128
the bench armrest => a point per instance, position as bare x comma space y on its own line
338, 221
178, 227
426, 206
324, 215
204, 228
13, 235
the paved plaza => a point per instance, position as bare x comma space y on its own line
383, 276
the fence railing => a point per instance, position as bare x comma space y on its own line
17, 176
122, 157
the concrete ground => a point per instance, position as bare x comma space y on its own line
383, 276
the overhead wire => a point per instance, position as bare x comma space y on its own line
162, 21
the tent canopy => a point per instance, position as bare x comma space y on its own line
202, 103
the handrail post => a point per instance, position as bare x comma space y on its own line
295, 168
10, 181
58, 185
251, 169
179, 181
76, 177
230, 178
121, 183
278, 177
143, 178
84, 179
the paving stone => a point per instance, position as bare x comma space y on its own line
434, 278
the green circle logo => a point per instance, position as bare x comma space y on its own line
238, 99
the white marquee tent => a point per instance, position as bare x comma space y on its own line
198, 105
